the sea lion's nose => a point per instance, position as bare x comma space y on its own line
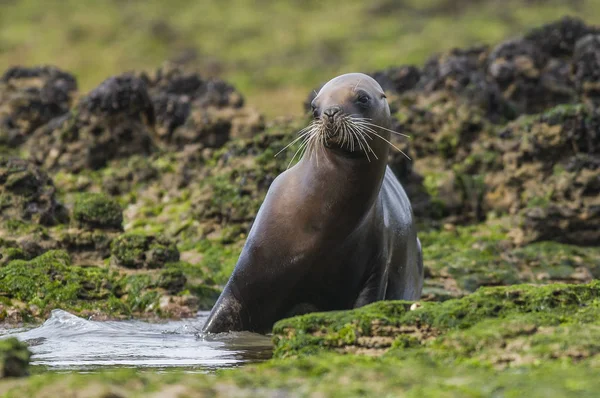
331, 112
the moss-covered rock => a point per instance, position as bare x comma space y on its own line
32, 288
142, 251
330, 375
92, 210
8, 254
385, 325
27, 194
86, 246
50, 279
172, 280
14, 358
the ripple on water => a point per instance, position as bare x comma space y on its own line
67, 342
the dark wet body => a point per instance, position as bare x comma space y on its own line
329, 237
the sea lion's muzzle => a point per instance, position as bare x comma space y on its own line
331, 112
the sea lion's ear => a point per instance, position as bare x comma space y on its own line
383, 95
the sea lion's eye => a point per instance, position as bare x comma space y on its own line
363, 99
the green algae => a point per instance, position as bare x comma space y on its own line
50, 281
14, 358
94, 210
132, 250
326, 375
308, 334
483, 255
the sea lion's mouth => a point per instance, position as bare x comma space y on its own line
336, 141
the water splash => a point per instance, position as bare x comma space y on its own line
67, 342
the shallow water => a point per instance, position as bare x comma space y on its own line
67, 342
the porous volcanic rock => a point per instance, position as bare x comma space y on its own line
586, 68
551, 175
194, 110
28, 194
31, 97
115, 120
554, 64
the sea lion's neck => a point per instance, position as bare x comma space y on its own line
344, 188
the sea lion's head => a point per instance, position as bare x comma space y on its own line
351, 116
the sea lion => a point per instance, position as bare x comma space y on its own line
335, 231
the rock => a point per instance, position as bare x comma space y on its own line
398, 79
179, 306
463, 72
30, 98
92, 210
142, 251
193, 110
87, 246
387, 325
523, 75
115, 120
172, 280
28, 194
551, 173
561, 223
14, 358
527, 78
123, 176
558, 39
586, 68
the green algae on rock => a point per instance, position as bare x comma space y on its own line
133, 250
32, 288
460, 259
28, 194
326, 374
381, 326
92, 210
14, 358
49, 281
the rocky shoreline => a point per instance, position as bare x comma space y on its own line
134, 200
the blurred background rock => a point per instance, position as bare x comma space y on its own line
272, 51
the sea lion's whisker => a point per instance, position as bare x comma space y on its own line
316, 142
323, 143
358, 137
342, 140
301, 134
362, 135
348, 137
382, 138
300, 148
360, 145
367, 123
